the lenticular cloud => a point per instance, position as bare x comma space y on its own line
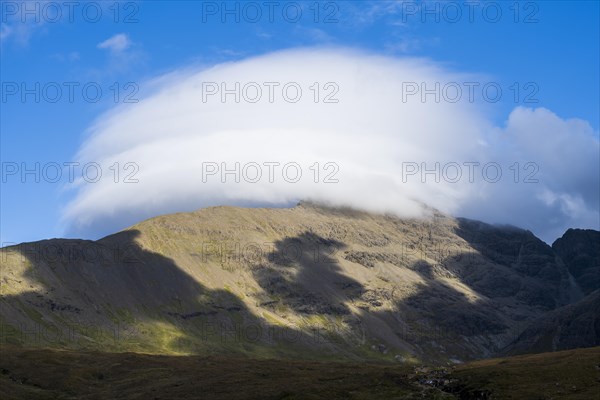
335, 126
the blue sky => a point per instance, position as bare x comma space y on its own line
552, 47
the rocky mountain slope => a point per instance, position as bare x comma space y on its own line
572, 326
580, 250
309, 282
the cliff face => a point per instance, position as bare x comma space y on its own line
544, 279
311, 282
580, 251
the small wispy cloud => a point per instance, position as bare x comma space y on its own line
123, 54
370, 12
314, 34
19, 32
230, 52
408, 45
263, 35
116, 44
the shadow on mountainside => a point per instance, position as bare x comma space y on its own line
303, 274
442, 320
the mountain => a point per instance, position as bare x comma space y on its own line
308, 282
580, 250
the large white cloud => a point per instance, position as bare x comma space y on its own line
560, 190
371, 133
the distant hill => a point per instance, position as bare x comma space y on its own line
308, 282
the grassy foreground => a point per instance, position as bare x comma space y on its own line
570, 374
51, 374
